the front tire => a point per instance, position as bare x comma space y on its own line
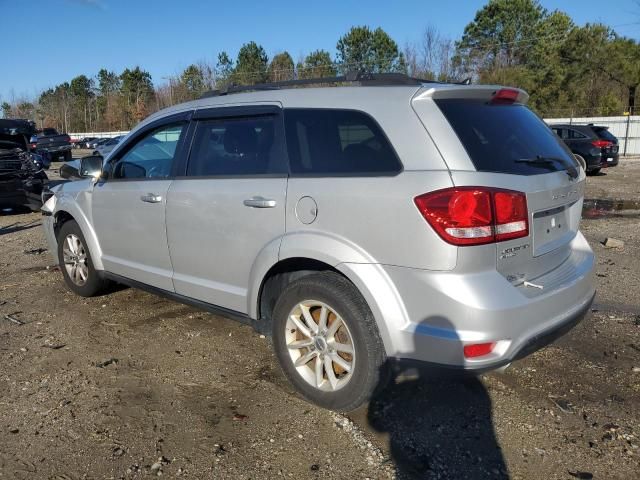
68, 156
327, 341
75, 262
594, 171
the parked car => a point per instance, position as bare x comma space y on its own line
22, 177
594, 143
93, 144
80, 142
104, 149
363, 227
84, 142
53, 145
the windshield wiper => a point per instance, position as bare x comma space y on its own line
545, 162
542, 159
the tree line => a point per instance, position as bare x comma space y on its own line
566, 68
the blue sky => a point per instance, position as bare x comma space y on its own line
47, 42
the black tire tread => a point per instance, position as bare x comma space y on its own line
95, 284
344, 295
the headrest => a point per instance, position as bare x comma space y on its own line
240, 139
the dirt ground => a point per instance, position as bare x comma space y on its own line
129, 385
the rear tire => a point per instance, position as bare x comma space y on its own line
333, 329
68, 156
75, 262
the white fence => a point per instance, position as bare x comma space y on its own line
78, 136
625, 128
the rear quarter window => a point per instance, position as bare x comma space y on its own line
506, 138
337, 142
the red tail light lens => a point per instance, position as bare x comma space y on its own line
511, 215
478, 349
505, 96
601, 143
475, 215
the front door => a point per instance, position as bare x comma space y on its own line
129, 206
229, 208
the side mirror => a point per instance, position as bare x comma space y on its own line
91, 166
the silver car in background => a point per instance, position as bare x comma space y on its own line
361, 226
105, 148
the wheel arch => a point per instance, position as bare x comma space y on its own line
67, 212
370, 280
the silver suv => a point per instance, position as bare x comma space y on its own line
361, 226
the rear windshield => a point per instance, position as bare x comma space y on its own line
506, 138
605, 134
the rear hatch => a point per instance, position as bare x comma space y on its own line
508, 147
53, 142
603, 133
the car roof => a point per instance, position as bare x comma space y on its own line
356, 97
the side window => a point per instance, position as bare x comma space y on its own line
337, 142
561, 132
575, 135
152, 156
237, 146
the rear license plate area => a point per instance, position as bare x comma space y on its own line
551, 228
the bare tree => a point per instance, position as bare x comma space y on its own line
432, 56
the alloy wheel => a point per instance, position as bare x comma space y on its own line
75, 259
320, 345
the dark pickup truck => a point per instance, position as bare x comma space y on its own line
53, 144
22, 177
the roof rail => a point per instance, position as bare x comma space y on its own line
350, 77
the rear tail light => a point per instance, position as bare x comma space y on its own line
601, 143
505, 96
475, 215
478, 349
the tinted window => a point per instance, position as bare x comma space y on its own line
337, 142
605, 134
240, 146
576, 135
506, 138
152, 156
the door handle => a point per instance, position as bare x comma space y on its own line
259, 202
151, 198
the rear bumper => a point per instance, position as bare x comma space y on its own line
449, 311
58, 149
601, 161
610, 161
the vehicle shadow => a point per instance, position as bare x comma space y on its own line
17, 227
438, 423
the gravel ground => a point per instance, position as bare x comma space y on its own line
129, 385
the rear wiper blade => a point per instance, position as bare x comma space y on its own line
542, 159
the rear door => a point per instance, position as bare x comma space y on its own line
509, 147
227, 209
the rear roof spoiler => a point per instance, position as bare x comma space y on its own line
472, 92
